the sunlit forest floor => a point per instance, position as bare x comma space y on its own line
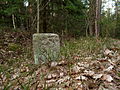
84, 64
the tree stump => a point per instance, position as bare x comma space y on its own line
46, 47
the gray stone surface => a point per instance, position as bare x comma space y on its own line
46, 47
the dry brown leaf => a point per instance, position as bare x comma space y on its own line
49, 76
50, 81
89, 73
107, 78
76, 69
88, 58
83, 78
63, 79
78, 78
79, 89
107, 51
102, 88
53, 64
109, 68
85, 64
15, 76
61, 74
97, 76
61, 63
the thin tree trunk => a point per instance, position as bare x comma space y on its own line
86, 31
13, 19
92, 17
116, 11
87, 23
117, 18
38, 17
97, 18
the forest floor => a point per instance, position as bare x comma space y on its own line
84, 64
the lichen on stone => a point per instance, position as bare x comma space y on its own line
46, 47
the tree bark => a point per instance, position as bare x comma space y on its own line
38, 17
94, 17
97, 19
13, 19
117, 17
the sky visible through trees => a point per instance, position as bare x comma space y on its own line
109, 4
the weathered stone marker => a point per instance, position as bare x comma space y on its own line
46, 47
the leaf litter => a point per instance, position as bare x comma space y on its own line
80, 73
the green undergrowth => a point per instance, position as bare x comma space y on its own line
87, 46
13, 47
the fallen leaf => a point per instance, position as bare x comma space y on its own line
61, 74
54, 75
15, 76
107, 78
78, 78
102, 88
83, 78
61, 63
63, 80
89, 73
109, 68
107, 51
76, 68
83, 64
88, 58
53, 64
50, 81
49, 76
97, 76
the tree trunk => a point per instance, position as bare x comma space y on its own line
38, 17
13, 19
92, 17
97, 19
117, 13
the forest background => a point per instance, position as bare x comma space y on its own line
68, 18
